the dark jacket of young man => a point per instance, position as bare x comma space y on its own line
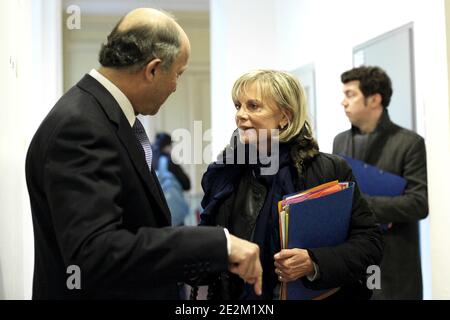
402, 152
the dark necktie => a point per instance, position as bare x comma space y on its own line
139, 131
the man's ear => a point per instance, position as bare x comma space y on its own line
376, 100
152, 68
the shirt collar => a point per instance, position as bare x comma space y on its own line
118, 95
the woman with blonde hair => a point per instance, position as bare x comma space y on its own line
271, 119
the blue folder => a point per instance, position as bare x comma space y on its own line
314, 223
374, 181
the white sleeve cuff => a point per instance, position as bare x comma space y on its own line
227, 235
314, 276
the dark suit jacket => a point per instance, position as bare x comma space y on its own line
95, 204
402, 152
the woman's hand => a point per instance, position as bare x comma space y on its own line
291, 264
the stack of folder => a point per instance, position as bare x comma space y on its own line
318, 217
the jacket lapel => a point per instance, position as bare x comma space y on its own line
126, 136
347, 144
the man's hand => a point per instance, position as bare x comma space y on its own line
244, 261
291, 264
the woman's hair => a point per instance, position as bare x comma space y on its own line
287, 93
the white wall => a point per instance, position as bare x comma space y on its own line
325, 32
29, 36
290, 33
242, 38
438, 147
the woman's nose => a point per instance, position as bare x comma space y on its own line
241, 114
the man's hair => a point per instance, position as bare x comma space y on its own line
372, 80
285, 91
134, 48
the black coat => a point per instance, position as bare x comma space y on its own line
402, 152
96, 205
233, 202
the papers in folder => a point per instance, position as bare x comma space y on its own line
318, 217
374, 181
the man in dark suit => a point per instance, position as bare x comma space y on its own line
98, 210
375, 140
